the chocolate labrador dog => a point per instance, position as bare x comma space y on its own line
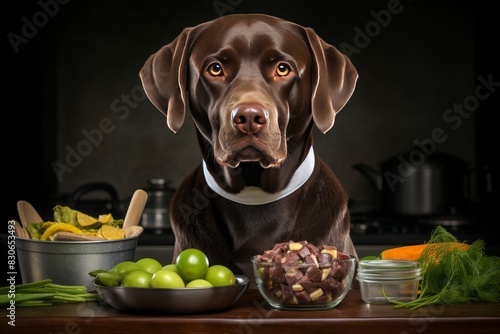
254, 85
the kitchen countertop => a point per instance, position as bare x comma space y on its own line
251, 314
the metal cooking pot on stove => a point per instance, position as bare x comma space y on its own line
156, 214
419, 184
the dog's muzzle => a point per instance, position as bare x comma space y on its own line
249, 133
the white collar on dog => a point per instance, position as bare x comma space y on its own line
255, 195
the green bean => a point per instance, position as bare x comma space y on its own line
6, 289
33, 290
21, 297
33, 303
97, 271
89, 295
66, 287
69, 298
44, 293
44, 290
91, 298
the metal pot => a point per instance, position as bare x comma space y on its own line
69, 262
417, 184
156, 214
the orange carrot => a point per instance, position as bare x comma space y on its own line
413, 252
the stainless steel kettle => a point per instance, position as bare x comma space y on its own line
156, 214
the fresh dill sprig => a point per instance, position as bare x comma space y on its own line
452, 275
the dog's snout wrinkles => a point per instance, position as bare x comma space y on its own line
249, 119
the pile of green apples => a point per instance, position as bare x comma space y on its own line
190, 270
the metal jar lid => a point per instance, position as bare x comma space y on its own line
385, 270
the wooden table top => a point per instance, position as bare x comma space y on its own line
251, 314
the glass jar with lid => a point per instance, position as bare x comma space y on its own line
382, 281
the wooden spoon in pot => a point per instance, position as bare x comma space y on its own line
135, 208
28, 214
132, 231
21, 232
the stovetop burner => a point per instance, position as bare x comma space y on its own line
378, 223
379, 226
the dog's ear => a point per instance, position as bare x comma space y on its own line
333, 81
164, 80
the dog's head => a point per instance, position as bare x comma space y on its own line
252, 83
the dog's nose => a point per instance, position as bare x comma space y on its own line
249, 118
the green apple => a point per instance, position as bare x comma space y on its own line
219, 275
199, 283
149, 264
137, 279
165, 278
171, 266
125, 267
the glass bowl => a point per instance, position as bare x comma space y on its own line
304, 286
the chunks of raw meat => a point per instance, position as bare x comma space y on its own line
299, 273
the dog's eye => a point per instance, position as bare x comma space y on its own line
283, 70
215, 69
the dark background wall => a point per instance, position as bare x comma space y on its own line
77, 113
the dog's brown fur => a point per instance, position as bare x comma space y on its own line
255, 86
